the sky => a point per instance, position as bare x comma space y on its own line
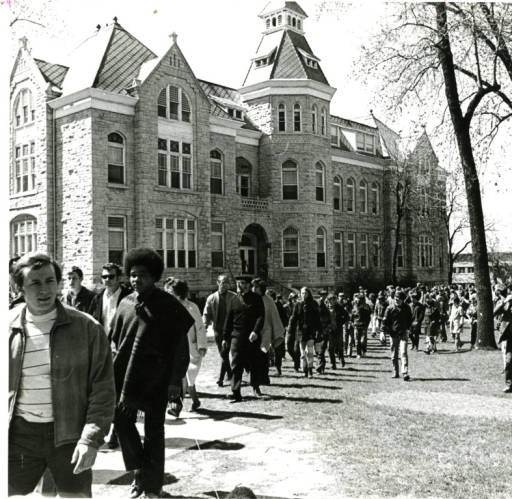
218, 39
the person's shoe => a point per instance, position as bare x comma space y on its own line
358, 356
342, 363
234, 397
395, 375
310, 372
306, 372
427, 352
220, 383
507, 389
136, 490
196, 404
406, 377
333, 367
257, 392
113, 442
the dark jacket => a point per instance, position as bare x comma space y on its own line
305, 321
83, 299
361, 315
397, 319
418, 313
81, 372
96, 307
150, 345
247, 314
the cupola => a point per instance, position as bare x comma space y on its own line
279, 15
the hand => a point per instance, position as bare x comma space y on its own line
173, 392
84, 457
263, 349
253, 337
224, 345
202, 352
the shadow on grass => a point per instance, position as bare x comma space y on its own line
214, 444
297, 385
441, 379
312, 400
220, 494
127, 479
235, 413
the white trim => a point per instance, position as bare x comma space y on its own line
288, 87
93, 98
356, 162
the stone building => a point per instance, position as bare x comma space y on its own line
124, 148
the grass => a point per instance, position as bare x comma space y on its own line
356, 432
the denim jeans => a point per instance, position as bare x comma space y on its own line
399, 346
32, 450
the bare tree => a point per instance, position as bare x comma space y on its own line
454, 61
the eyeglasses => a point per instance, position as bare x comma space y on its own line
108, 276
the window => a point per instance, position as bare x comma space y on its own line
319, 182
242, 185
297, 118
363, 197
116, 239
375, 199
337, 193
363, 254
173, 104
281, 118
400, 255
175, 242
334, 136
351, 250
351, 202
376, 250
320, 248
289, 180
424, 204
216, 172
174, 164
23, 111
290, 247
217, 244
323, 123
365, 142
314, 119
24, 235
338, 250
24, 168
116, 159
425, 251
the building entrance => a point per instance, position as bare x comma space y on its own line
253, 250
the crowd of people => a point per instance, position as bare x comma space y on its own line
84, 364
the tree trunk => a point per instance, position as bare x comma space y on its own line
485, 338
450, 267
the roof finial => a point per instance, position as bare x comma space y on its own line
173, 36
98, 27
115, 19
24, 43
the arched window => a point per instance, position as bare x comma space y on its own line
320, 247
323, 124
23, 235
267, 22
297, 118
351, 198
424, 202
375, 199
290, 247
24, 112
314, 119
243, 177
273, 21
289, 180
216, 172
338, 249
319, 182
173, 104
363, 197
116, 159
281, 118
337, 193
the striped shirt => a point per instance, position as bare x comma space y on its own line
34, 402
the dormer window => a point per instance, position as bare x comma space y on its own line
365, 142
279, 19
265, 60
309, 59
235, 113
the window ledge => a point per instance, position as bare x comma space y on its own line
112, 185
23, 194
163, 188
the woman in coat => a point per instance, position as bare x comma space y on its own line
196, 341
305, 323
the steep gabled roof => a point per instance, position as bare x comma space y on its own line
222, 97
109, 59
390, 140
52, 73
289, 61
